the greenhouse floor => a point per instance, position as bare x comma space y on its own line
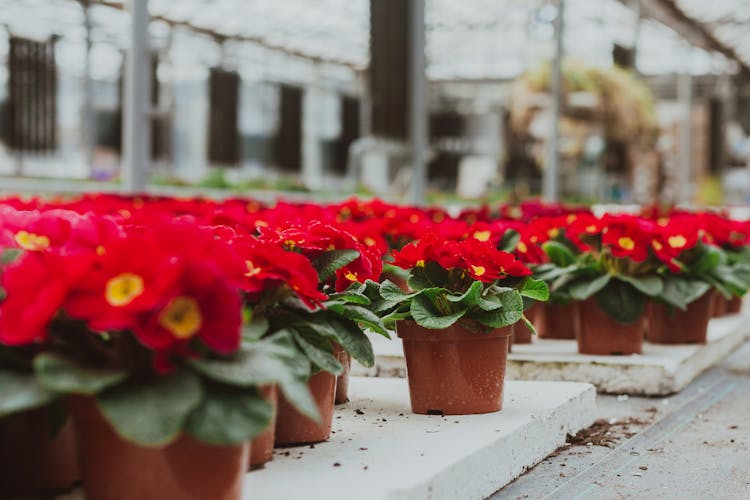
691, 445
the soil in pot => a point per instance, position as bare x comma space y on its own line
556, 321
454, 371
293, 428
670, 325
186, 469
261, 447
342, 381
35, 458
599, 333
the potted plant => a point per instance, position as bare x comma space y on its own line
692, 272
456, 322
557, 238
330, 332
612, 281
142, 334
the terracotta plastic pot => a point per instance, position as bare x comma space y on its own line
556, 321
670, 325
734, 305
261, 447
599, 333
294, 428
719, 307
454, 371
116, 469
520, 334
342, 381
32, 461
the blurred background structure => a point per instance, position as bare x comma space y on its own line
418, 100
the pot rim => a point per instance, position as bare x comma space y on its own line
453, 333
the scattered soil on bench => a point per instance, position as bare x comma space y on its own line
604, 433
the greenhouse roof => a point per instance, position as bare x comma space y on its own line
471, 39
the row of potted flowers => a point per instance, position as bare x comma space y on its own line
184, 336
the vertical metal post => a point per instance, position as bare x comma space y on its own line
551, 177
685, 97
87, 113
417, 101
137, 126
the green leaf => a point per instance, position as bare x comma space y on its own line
330, 262
272, 360
60, 373
228, 415
151, 411
426, 315
709, 259
355, 342
650, 285
535, 289
361, 315
318, 351
390, 319
622, 302
679, 291
8, 255
584, 288
429, 276
510, 311
21, 391
350, 297
471, 297
509, 241
558, 253
393, 293
255, 329
528, 324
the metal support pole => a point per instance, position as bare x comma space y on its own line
137, 126
551, 178
417, 101
87, 113
684, 175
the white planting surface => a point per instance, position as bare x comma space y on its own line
660, 370
385, 452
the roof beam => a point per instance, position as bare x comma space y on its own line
695, 32
257, 40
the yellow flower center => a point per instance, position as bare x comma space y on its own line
677, 241
657, 245
591, 228
370, 242
351, 276
420, 263
261, 223
522, 247
123, 289
482, 235
182, 317
32, 242
413, 218
100, 250
553, 233
478, 270
626, 243
570, 218
252, 270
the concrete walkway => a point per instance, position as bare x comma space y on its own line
692, 445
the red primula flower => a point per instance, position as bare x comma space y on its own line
203, 305
627, 236
36, 287
129, 278
268, 266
